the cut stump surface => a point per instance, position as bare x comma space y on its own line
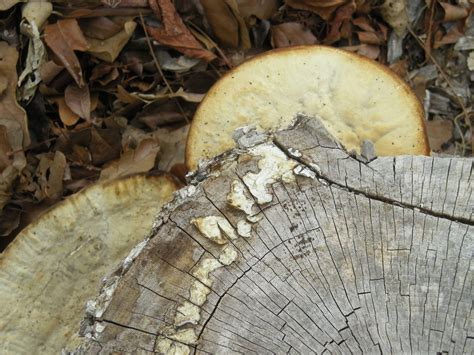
294, 246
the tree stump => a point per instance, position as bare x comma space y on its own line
295, 246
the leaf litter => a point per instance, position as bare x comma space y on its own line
110, 87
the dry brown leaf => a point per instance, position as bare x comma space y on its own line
50, 173
400, 67
64, 37
371, 38
222, 21
291, 34
323, 8
140, 160
9, 107
49, 70
172, 147
101, 27
4, 149
66, 115
104, 145
13, 124
263, 9
363, 23
367, 50
342, 17
174, 33
439, 132
109, 49
6, 4
9, 220
243, 30
79, 100
453, 12
395, 14
449, 38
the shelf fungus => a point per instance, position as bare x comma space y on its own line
56, 263
355, 98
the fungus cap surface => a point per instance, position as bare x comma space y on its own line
356, 98
56, 263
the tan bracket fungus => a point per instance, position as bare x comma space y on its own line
56, 264
355, 98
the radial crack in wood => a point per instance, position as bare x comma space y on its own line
339, 255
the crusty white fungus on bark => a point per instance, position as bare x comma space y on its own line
215, 228
237, 198
244, 229
274, 166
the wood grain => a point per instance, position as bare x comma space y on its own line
350, 256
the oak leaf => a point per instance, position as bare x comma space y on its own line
64, 37
78, 100
174, 33
139, 160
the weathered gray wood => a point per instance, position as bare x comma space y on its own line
347, 257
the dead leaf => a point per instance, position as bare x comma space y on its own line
9, 107
449, 38
109, 49
134, 97
78, 100
453, 12
6, 4
367, 50
157, 114
323, 8
64, 37
243, 30
371, 38
400, 67
291, 34
9, 220
49, 70
140, 160
176, 64
35, 58
174, 33
50, 173
172, 146
222, 21
439, 132
342, 17
395, 14
263, 9
104, 145
363, 23
67, 116
102, 27
13, 124
37, 12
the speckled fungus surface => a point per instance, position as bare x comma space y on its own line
355, 98
56, 264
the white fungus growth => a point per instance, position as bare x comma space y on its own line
215, 228
187, 313
244, 229
273, 166
237, 198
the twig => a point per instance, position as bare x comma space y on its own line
221, 53
158, 67
152, 52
